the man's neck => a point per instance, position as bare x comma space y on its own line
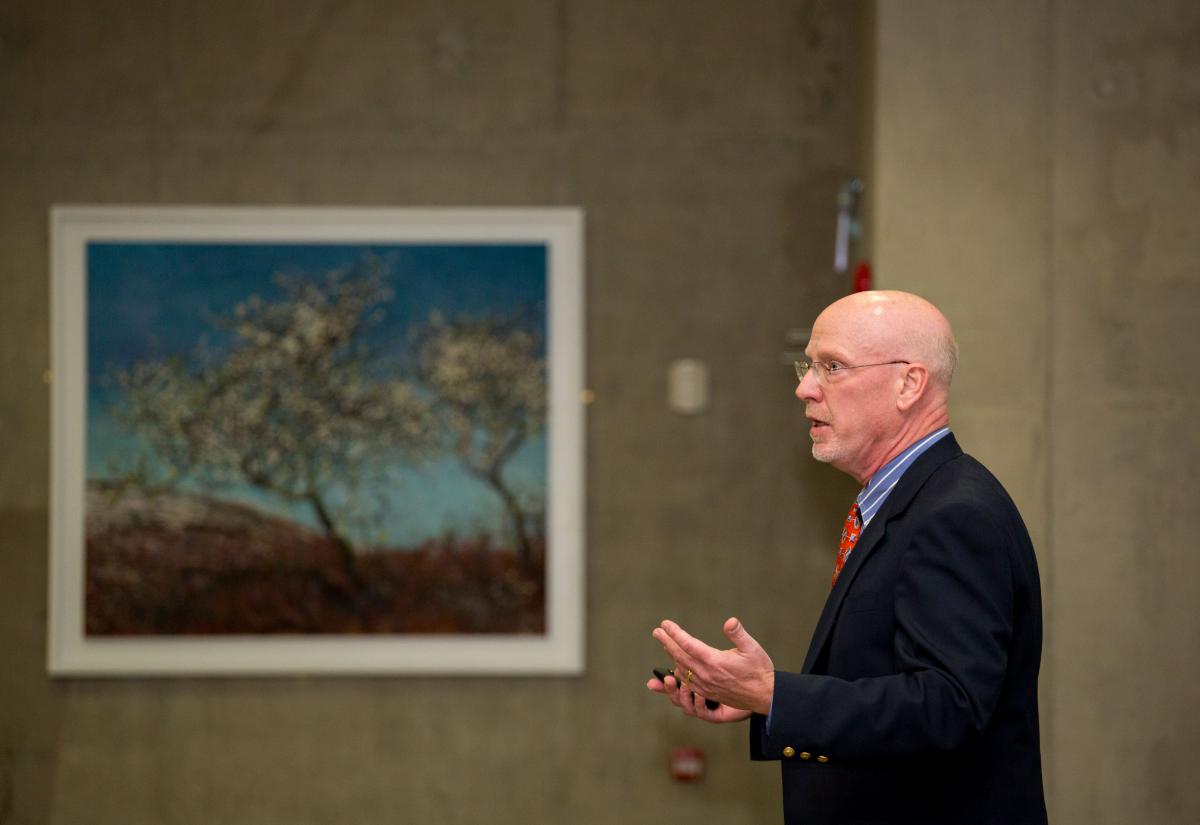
914, 430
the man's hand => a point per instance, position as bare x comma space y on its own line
741, 679
692, 704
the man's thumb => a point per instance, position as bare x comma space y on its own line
738, 635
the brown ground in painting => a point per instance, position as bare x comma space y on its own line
182, 564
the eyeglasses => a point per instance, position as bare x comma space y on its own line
828, 369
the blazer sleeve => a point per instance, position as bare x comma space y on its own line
953, 611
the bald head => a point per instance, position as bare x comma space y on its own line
897, 355
892, 324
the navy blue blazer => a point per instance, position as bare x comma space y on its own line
917, 701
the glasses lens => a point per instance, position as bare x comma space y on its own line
801, 369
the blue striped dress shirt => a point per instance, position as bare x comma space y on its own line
880, 485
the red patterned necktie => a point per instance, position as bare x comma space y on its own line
850, 533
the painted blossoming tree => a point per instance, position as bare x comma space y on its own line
293, 406
488, 376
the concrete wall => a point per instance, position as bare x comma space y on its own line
1037, 173
705, 140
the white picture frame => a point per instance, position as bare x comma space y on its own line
557, 650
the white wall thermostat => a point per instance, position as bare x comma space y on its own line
688, 386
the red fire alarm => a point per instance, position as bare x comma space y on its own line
687, 764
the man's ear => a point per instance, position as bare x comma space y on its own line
913, 383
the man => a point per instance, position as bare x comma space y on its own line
917, 701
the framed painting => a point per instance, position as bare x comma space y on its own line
316, 441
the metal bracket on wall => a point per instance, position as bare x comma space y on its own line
845, 248
849, 224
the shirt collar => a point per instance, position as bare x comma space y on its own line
880, 485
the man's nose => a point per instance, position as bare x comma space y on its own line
808, 389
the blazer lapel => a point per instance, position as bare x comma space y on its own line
897, 502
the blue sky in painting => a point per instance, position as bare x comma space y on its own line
148, 301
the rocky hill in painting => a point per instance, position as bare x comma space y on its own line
186, 564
